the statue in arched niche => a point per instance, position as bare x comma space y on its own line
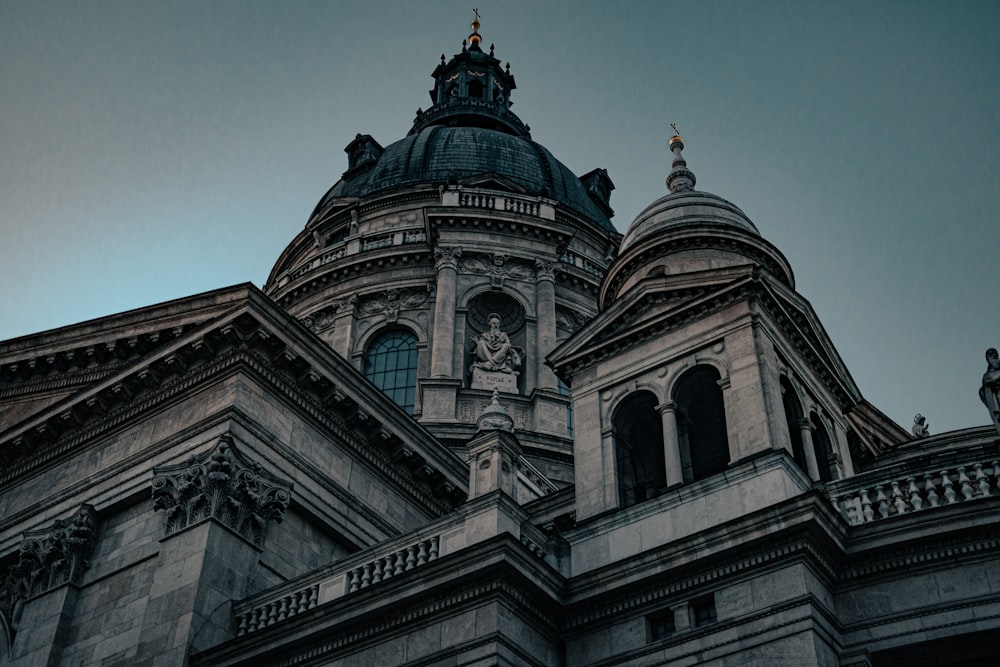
496, 361
493, 349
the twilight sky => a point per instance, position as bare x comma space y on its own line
153, 150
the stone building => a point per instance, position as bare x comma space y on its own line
467, 422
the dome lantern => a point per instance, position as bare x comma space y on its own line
472, 90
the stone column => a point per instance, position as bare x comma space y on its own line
443, 342
805, 427
545, 309
343, 327
671, 444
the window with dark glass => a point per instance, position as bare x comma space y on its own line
824, 449
661, 624
638, 438
793, 415
391, 365
703, 611
701, 423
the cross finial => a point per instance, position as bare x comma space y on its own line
475, 10
676, 132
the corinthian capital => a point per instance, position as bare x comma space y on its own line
545, 270
447, 258
221, 485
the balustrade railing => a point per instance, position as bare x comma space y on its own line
277, 610
394, 564
917, 492
378, 569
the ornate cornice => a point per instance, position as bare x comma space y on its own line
221, 485
78, 365
242, 344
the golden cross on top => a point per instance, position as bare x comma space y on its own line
674, 125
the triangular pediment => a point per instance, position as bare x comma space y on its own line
248, 334
42, 369
653, 305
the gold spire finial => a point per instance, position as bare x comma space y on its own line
475, 38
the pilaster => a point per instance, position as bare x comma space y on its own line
442, 343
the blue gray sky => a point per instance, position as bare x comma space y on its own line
153, 150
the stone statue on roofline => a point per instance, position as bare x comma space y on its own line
920, 426
989, 391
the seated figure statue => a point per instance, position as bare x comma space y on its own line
493, 350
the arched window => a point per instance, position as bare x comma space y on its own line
701, 423
391, 365
476, 89
824, 450
793, 415
638, 437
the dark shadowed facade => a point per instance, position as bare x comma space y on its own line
467, 422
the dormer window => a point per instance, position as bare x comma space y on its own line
363, 152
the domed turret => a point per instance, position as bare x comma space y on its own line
686, 231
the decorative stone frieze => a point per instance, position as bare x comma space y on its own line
497, 267
221, 485
321, 320
392, 300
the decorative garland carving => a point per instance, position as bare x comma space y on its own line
498, 268
569, 320
321, 320
221, 485
392, 300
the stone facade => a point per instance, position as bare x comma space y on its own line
677, 469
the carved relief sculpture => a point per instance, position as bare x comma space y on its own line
989, 391
223, 486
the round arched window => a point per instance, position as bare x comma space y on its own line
391, 365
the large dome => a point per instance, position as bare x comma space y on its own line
439, 154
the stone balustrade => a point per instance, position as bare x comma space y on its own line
354, 247
475, 522
917, 491
277, 610
393, 564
